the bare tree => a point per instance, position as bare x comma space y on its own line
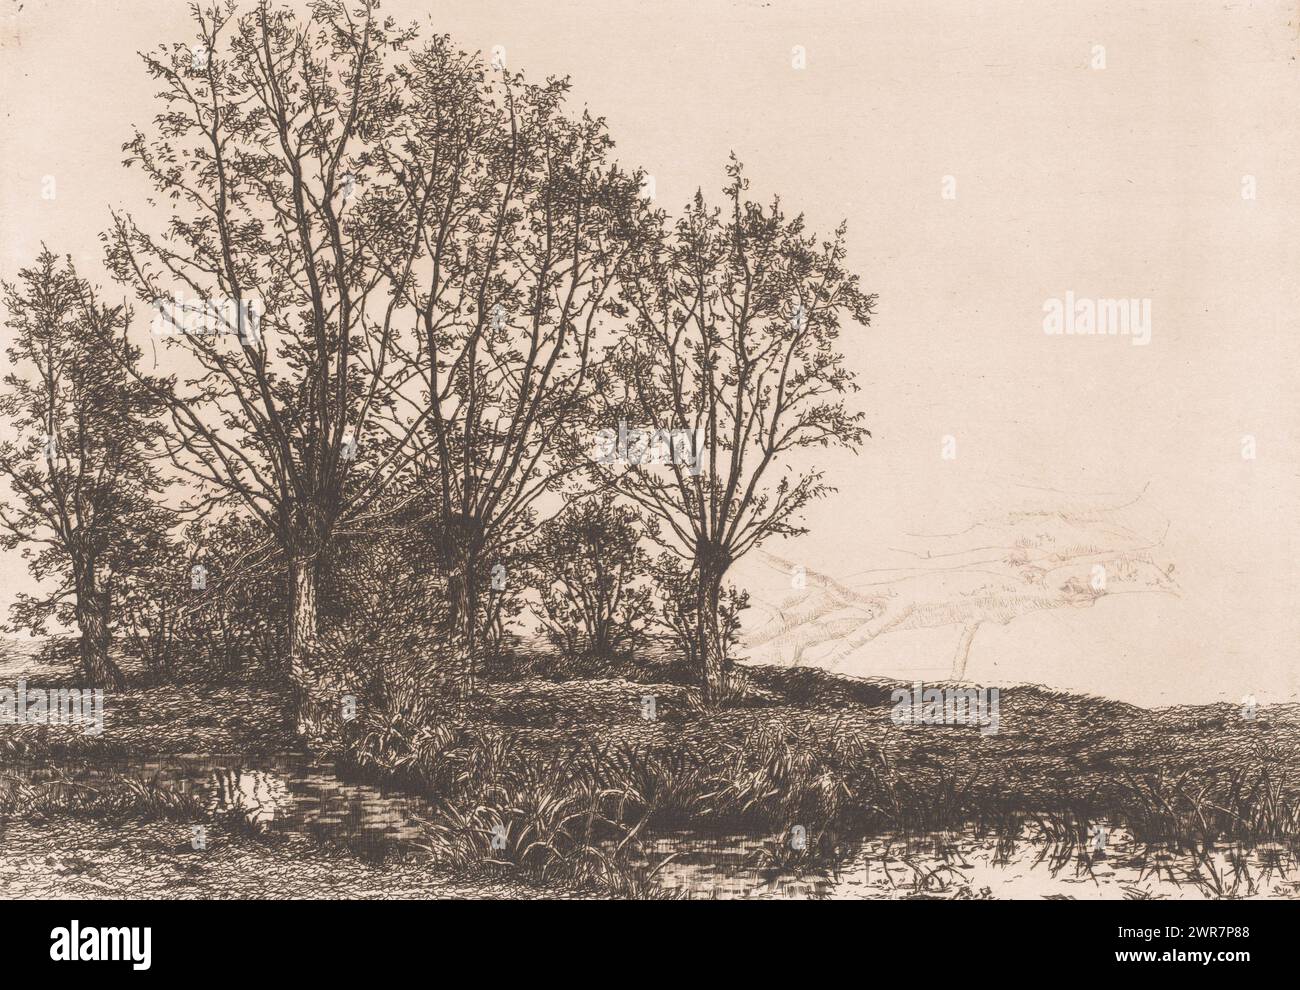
80, 466
731, 359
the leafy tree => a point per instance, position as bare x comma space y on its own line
263, 152
83, 433
523, 224
431, 245
732, 349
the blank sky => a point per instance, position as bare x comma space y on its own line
1122, 181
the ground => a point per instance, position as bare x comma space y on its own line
156, 860
799, 745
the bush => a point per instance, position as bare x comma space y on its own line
592, 578
384, 620
216, 632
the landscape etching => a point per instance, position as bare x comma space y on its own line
794, 450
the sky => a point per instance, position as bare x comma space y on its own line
988, 157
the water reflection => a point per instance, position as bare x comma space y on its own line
296, 795
299, 796
966, 866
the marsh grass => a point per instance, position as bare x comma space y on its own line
557, 810
562, 784
112, 797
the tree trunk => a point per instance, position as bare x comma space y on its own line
98, 668
713, 659
302, 635
302, 613
464, 616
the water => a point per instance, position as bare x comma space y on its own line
295, 794
291, 794
298, 795
963, 865
311, 798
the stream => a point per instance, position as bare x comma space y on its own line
299, 795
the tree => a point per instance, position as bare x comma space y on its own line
731, 360
523, 225
79, 465
264, 150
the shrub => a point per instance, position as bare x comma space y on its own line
591, 576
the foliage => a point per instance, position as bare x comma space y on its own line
679, 612
592, 578
732, 350
81, 432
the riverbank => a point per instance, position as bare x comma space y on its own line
72, 859
812, 761
570, 787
